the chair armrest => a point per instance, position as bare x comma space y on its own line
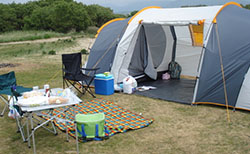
67, 71
89, 69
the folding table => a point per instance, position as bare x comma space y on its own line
29, 111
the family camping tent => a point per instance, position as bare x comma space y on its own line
211, 43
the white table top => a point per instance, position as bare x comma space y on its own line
74, 100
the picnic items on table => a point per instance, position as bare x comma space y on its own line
38, 98
42, 109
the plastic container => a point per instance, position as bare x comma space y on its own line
89, 121
104, 85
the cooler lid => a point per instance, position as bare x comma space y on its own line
102, 76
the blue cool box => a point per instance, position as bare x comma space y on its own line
104, 85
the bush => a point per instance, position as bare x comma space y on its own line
84, 51
52, 52
46, 36
67, 41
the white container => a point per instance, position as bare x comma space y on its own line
46, 86
46, 90
35, 88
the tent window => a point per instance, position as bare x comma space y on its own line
196, 32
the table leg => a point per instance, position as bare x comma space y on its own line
54, 128
28, 131
33, 134
20, 127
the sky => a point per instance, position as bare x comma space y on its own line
126, 6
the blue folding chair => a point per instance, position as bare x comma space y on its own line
7, 81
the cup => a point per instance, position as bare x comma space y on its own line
46, 88
35, 88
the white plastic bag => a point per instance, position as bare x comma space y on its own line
129, 85
13, 113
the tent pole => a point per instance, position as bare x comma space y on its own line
175, 42
222, 71
198, 75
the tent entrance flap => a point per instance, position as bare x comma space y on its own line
149, 51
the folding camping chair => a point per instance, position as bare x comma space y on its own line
7, 81
73, 73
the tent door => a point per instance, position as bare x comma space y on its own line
243, 100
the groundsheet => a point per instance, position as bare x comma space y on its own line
180, 91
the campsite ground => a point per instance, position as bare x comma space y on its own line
177, 128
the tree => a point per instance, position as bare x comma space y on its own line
67, 16
100, 15
56, 15
60, 16
132, 13
8, 19
247, 6
40, 19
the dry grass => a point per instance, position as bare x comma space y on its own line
177, 128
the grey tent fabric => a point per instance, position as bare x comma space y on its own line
231, 23
139, 58
156, 42
103, 51
148, 52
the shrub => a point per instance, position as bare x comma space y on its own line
52, 52
46, 36
84, 51
67, 40
41, 45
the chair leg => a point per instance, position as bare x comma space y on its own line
77, 146
63, 84
87, 88
5, 106
90, 91
67, 134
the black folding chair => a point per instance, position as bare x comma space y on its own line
73, 73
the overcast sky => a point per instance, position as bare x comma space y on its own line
125, 6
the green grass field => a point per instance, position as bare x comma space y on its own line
28, 35
36, 35
176, 129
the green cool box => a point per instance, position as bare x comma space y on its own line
89, 121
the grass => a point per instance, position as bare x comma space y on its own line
26, 49
30, 35
177, 128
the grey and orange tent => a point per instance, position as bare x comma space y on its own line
212, 44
